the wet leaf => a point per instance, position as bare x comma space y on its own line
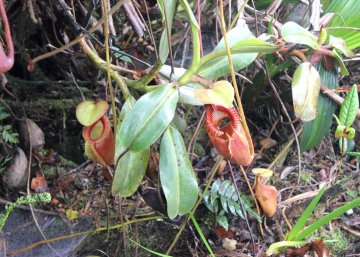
294, 33
130, 172
177, 176
349, 107
149, 118
88, 112
305, 91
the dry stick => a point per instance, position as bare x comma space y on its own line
238, 100
28, 190
27, 248
191, 146
336, 98
182, 227
108, 70
168, 36
291, 125
79, 38
150, 29
256, 20
242, 204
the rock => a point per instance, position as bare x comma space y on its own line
16, 173
37, 135
229, 244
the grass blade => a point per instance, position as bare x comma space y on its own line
304, 217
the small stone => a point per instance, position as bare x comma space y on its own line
37, 135
229, 244
16, 173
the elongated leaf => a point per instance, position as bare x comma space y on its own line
300, 223
294, 33
347, 15
349, 107
130, 172
149, 118
177, 176
354, 154
201, 234
327, 218
149, 250
305, 91
339, 60
119, 148
168, 7
220, 67
340, 45
244, 52
276, 248
315, 130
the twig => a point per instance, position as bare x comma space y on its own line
241, 203
291, 125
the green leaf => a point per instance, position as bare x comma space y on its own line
177, 176
346, 15
130, 172
221, 93
329, 217
300, 223
294, 33
201, 234
222, 221
149, 250
230, 201
220, 66
149, 118
339, 60
305, 91
119, 148
349, 107
129, 103
315, 130
340, 45
168, 7
276, 248
354, 154
89, 112
215, 64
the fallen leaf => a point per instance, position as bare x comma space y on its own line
222, 233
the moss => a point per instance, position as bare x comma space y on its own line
336, 241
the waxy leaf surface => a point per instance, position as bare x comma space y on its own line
294, 33
349, 107
130, 172
88, 112
177, 176
220, 66
305, 91
149, 118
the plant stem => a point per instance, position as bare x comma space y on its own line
100, 63
196, 44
